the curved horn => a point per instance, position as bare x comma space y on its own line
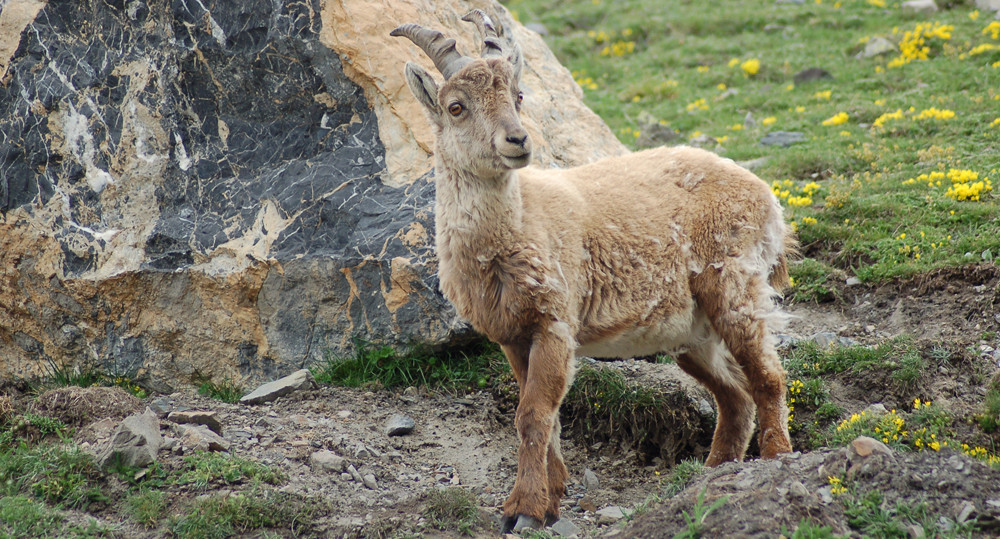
497, 42
491, 38
440, 49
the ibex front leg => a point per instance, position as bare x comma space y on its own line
541, 473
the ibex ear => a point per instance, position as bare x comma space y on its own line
425, 89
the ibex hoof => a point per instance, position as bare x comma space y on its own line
517, 523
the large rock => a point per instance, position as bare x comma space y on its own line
229, 189
134, 443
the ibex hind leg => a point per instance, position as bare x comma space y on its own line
710, 365
739, 309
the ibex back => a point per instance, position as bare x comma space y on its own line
667, 250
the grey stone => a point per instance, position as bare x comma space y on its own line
205, 418
782, 138
369, 481
327, 461
301, 379
524, 523
812, 74
590, 480
876, 409
829, 339
754, 164
134, 443
877, 46
919, 7
160, 405
965, 512
362, 452
988, 5
797, 490
355, 475
853, 281
610, 514
399, 425
200, 438
565, 527
704, 141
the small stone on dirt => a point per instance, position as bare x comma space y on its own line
877, 46
565, 528
369, 481
610, 515
811, 74
587, 504
327, 461
399, 425
864, 446
298, 380
206, 418
782, 138
919, 7
590, 480
200, 438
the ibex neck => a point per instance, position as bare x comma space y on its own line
484, 209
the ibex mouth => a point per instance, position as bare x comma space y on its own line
516, 161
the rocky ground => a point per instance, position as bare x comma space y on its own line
351, 452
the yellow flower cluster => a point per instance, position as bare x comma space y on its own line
825, 94
601, 36
794, 388
751, 67
932, 179
993, 29
836, 119
921, 439
980, 49
618, 48
981, 453
809, 221
915, 43
584, 81
629, 131
784, 191
996, 123
885, 117
966, 185
698, 104
770, 120
935, 114
836, 485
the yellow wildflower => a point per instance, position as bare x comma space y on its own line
836, 119
751, 67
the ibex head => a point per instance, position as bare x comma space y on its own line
475, 111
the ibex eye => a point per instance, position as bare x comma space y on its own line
455, 109
520, 97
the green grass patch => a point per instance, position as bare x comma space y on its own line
989, 419
899, 357
382, 366
871, 189
868, 514
807, 530
147, 507
208, 469
54, 473
225, 391
218, 517
453, 508
812, 280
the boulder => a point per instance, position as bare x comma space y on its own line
134, 443
230, 190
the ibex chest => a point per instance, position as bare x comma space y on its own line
503, 294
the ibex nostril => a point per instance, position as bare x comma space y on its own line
517, 140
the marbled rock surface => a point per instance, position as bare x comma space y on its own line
229, 190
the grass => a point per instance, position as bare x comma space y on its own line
899, 357
989, 419
453, 508
209, 469
218, 517
225, 391
382, 366
695, 520
870, 515
729, 72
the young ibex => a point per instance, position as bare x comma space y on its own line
665, 250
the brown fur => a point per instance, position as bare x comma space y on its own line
665, 250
